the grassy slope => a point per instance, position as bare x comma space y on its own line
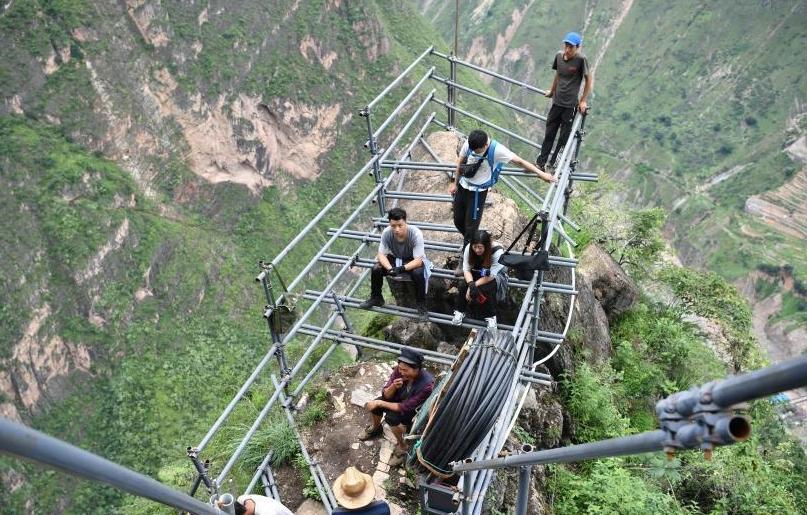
153, 389
686, 90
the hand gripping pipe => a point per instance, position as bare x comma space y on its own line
19, 440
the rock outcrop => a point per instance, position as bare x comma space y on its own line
615, 291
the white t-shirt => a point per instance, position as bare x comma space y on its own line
501, 154
495, 266
265, 505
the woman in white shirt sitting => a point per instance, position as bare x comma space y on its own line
480, 267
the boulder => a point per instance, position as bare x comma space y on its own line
612, 287
424, 335
542, 417
590, 323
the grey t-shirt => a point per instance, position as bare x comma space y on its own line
570, 77
410, 248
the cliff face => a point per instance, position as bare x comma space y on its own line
151, 153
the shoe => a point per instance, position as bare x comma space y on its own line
370, 433
423, 311
372, 302
541, 166
458, 316
397, 459
491, 323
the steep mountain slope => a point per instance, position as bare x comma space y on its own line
694, 103
150, 154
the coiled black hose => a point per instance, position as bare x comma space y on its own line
470, 406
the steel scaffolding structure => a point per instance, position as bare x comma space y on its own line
359, 232
702, 417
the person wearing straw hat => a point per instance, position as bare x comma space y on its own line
355, 493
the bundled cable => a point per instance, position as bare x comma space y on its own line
467, 410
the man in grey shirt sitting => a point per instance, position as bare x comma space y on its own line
400, 252
571, 69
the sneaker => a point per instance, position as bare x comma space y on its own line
491, 323
458, 316
371, 302
397, 459
370, 432
423, 311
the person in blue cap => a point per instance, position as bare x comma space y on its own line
571, 68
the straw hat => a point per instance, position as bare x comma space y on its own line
354, 489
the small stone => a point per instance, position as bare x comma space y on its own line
362, 371
379, 477
368, 443
394, 509
360, 397
355, 446
401, 472
384, 454
388, 434
402, 480
383, 467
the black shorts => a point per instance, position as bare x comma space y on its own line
393, 418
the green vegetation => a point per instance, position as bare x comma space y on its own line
657, 353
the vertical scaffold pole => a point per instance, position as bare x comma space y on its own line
372, 145
452, 92
522, 501
567, 193
453, 68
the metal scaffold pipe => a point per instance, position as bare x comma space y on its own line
728, 429
398, 79
19, 440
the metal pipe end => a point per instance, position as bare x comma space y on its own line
526, 447
735, 428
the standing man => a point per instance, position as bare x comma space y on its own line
571, 67
400, 251
407, 388
478, 167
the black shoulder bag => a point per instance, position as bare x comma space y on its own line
526, 264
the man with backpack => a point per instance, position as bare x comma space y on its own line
571, 67
478, 167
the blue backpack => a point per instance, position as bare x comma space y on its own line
469, 171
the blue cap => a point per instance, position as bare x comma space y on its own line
573, 38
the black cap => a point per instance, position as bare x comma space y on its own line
411, 357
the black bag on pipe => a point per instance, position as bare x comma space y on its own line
526, 265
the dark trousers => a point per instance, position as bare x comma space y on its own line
486, 309
464, 211
559, 117
377, 279
393, 418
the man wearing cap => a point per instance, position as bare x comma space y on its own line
571, 67
407, 388
355, 493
